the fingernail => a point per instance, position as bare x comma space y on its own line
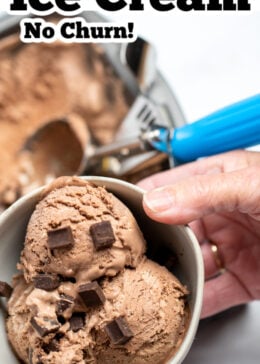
158, 200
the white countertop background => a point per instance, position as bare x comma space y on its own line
209, 60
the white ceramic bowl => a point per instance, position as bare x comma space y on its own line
179, 239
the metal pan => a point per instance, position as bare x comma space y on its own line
156, 89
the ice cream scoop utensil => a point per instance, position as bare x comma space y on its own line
233, 127
59, 148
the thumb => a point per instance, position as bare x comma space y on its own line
200, 195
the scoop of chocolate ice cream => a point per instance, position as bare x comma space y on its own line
152, 301
141, 321
100, 235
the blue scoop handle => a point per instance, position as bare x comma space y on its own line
233, 127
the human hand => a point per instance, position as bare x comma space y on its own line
220, 198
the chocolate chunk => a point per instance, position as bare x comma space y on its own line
44, 326
118, 331
51, 346
47, 282
77, 321
5, 290
102, 235
61, 320
64, 303
59, 336
60, 238
91, 294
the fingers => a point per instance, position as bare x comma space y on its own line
201, 195
222, 293
226, 162
199, 230
212, 266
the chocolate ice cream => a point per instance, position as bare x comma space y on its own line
87, 293
79, 214
40, 83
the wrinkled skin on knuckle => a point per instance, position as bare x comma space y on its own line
252, 187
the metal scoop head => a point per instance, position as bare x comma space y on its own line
55, 149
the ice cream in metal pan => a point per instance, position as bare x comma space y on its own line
50, 143
75, 83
